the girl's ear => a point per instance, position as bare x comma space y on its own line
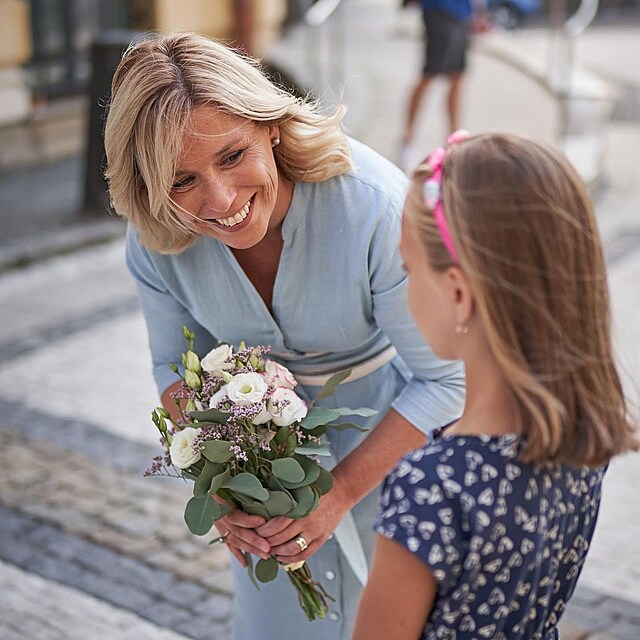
461, 296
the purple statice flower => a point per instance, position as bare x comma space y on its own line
238, 453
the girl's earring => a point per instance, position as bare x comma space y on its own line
462, 328
275, 142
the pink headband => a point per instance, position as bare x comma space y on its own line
432, 190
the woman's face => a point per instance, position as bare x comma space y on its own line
226, 184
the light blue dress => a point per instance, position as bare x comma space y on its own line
339, 298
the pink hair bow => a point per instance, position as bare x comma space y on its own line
433, 186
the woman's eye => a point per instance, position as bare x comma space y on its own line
183, 183
233, 158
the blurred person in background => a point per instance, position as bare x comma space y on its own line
448, 25
252, 217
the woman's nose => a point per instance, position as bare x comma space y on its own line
220, 194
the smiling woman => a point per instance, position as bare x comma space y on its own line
252, 217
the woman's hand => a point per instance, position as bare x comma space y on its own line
238, 530
281, 533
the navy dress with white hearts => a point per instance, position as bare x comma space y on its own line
505, 540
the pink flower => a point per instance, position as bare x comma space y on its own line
279, 376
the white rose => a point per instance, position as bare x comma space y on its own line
217, 397
279, 376
215, 361
246, 388
294, 410
181, 450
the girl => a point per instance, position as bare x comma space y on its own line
482, 532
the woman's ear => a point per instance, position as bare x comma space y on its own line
461, 296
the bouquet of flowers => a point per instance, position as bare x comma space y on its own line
249, 442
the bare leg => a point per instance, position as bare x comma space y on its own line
453, 100
413, 108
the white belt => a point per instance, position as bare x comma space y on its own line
358, 371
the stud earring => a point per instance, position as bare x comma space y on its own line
462, 328
275, 142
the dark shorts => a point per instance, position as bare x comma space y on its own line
447, 41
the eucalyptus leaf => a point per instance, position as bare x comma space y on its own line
305, 498
317, 416
210, 415
200, 514
217, 482
287, 469
332, 383
267, 570
279, 503
314, 450
347, 425
361, 411
217, 450
311, 472
324, 483
203, 481
247, 484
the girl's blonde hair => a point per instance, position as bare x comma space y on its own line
526, 238
156, 87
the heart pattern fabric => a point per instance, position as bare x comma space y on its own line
505, 540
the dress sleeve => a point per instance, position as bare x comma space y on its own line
164, 315
434, 394
420, 515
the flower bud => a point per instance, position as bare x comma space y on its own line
254, 361
193, 362
162, 412
226, 376
192, 379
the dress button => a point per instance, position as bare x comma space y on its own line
330, 575
334, 616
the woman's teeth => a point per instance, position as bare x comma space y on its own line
232, 221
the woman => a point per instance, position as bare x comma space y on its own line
252, 217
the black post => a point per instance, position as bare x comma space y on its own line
106, 52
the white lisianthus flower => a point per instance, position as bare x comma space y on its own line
246, 388
286, 407
279, 376
181, 450
218, 397
262, 417
215, 361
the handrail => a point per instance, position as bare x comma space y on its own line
320, 12
582, 18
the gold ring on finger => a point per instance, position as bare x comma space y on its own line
302, 543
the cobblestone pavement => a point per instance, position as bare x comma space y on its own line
92, 549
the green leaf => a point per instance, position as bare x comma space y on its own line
287, 469
347, 425
279, 503
217, 450
324, 483
317, 416
305, 498
314, 450
362, 411
203, 481
200, 514
331, 384
210, 415
250, 506
217, 482
252, 577
247, 484
267, 570
311, 472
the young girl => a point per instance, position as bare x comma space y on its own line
482, 532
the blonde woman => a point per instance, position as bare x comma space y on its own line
253, 217
483, 532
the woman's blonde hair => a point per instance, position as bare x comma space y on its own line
155, 89
526, 238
